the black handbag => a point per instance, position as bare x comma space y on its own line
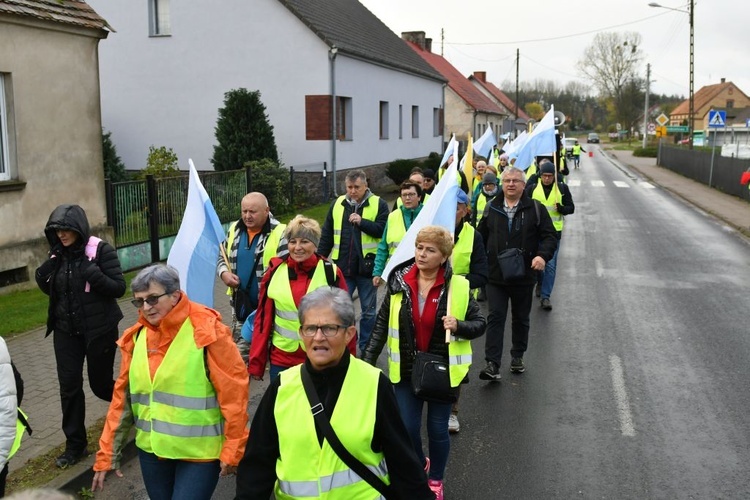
367, 265
511, 264
243, 305
431, 380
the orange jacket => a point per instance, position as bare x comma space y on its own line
226, 371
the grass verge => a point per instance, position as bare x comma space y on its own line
39, 471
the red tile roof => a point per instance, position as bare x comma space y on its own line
702, 98
458, 82
75, 12
498, 94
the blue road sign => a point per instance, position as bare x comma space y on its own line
717, 119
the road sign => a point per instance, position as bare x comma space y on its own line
677, 128
717, 119
651, 128
662, 119
618, 127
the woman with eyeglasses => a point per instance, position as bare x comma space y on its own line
83, 279
288, 452
415, 315
184, 387
285, 282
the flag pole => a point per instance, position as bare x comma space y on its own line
224, 255
448, 306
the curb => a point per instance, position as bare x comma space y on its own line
81, 475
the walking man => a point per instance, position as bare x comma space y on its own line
512, 220
251, 243
556, 198
350, 237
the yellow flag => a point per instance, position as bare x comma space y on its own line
469, 165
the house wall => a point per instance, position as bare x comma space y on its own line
166, 91
459, 117
54, 83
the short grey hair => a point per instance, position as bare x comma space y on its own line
163, 274
356, 175
511, 168
331, 298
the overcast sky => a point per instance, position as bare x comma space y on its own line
483, 35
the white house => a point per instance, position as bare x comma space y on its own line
165, 70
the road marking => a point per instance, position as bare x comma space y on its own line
574, 183
597, 183
646, 185
621, 184
599, 268
621, 396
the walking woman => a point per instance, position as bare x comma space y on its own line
184, 386
83, 279
414, 317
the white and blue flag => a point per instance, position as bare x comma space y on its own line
483, 145
541, 141
196, 247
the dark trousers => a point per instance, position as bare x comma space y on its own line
3, 476
70, 352
520, 297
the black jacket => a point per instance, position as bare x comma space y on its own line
471, 328
540, 239
350, 252
566, 205
91, 313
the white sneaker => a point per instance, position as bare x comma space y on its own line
453, 425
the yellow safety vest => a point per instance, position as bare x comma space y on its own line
461, 260
400, 202
481, 204
531, 170
459, 351
396, 230
555, 196
286, 323
269, 252
576, 150
20, 428
369, 212
307, 470
177, 415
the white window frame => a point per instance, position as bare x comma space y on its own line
345, 114
159, 19
5, 170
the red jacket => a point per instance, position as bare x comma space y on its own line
263, 325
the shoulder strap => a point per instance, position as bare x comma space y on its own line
330, 273
324, 425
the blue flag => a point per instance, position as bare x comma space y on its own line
541, 141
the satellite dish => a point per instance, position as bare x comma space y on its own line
559, 118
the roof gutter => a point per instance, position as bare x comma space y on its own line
332, 58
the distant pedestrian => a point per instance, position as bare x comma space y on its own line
83, 279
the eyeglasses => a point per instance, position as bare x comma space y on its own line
151, 300
513, 181
408, 195
328, 330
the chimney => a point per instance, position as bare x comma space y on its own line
428, 44
723, 80
481, 76
415, 37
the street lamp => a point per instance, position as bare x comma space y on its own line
689, 12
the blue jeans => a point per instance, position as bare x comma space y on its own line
274, 371
547, 278
178, 479
438, 438
368, 299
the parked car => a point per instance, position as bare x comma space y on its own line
592, 138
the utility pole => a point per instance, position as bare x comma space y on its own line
691, 112
518, 53
442, 40
645, 108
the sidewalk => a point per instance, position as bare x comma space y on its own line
35, 358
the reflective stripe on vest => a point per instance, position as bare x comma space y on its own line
549, 203
459, 351
177, 414
369, 212
396, 230
305, 469
461, 259
269, 251
20, 429
286, 323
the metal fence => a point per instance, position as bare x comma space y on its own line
151, 209
721, 173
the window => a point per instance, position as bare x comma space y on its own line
4, 131
415, 122
384, 119
400, 121
730, 103
158, 14
437, 121
344, 118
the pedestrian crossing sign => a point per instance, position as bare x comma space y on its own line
717, 118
